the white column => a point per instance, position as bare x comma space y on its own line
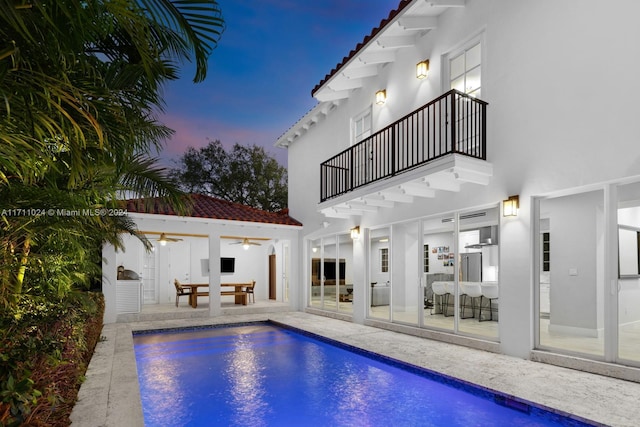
214, 275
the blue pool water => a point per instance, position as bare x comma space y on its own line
263, 375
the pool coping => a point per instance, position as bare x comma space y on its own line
110, 395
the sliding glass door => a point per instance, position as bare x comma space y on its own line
379, 292
477, 271
331, 267
315, 267
628, 323
588, 273
571, 273
438, 272
405, 273
344, 273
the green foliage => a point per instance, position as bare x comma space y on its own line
46, 347
246, 175
80, 85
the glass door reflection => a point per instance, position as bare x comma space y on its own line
629, 273
379, 295
330, 271
315, 283
345, 273
438, 272
405, 292
477, 270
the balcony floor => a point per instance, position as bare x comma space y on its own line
447, 173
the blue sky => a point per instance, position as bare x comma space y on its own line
272, 53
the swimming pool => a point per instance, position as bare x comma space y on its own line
264, 375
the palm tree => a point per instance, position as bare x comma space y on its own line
80, 84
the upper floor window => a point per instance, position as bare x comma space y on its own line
465, 69
361, 126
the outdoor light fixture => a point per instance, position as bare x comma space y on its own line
510, 206
163, 239
381, 97
422, 69
355, 232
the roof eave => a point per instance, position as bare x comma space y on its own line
368, 41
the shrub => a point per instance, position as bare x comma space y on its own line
45, 348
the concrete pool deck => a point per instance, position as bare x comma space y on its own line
110, 396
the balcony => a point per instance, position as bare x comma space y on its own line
451, 126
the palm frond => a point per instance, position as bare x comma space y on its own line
200, 21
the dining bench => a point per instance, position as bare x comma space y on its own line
241, 296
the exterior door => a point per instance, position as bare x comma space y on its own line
149, 277
272, 277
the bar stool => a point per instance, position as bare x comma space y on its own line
470, 290
491, 292
451, 290
440, 290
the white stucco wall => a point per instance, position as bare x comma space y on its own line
558, 77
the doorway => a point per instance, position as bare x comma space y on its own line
272, 277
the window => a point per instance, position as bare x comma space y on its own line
384, 260
361, 126
425, 257
546, 252
465, 70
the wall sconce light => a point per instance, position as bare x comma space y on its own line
510, 206
381, 97
355, 232
422, 69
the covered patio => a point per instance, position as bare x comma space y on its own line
219, 243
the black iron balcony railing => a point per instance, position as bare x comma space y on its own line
419, 137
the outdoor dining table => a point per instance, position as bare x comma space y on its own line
193, 296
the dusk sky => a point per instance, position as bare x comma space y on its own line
272, 53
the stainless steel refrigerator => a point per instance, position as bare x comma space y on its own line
471, 267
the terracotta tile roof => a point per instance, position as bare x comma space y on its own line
214, 208
367, 39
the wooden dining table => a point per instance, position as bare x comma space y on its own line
193, 296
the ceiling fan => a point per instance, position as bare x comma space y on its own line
246, 243
164, 239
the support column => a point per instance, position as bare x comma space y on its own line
214, 275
